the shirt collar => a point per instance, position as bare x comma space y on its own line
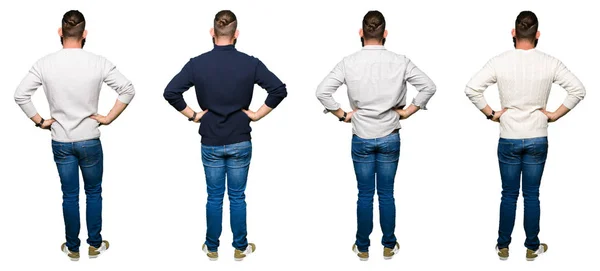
230, 47
373, 47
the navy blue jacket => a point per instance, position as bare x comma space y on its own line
224, 79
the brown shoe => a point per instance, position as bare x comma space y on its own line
94, 252
502, 253
73, 256
239, 255
388, 253
212, 255
533, 254
363, 256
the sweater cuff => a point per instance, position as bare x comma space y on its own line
571, 102
273, 101
179, 104
29, 109
125, 98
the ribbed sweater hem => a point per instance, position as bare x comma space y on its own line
222, 141
524, 134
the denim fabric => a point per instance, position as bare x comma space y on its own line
229, 162
375, 163
521, 161
71, 157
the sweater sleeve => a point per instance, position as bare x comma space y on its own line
568, 81
329, 86
118, 82
178, 85
26, 89
268, 81
479, 83
422, 83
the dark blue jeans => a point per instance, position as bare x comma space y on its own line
375, 164
70, 158
521, 161
229, 162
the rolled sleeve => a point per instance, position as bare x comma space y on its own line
329, 86
422, 83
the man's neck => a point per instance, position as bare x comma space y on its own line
524, 45
223, 42
71, 44
373, 42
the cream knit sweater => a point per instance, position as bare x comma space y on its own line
524, 79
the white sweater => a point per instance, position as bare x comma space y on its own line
524, 80
72, 79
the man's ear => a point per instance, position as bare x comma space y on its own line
60, 32
84, 34
537, 35
360, 33
513, 33
385, 32
212, 32
237, 33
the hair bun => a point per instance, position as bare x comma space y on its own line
223, 22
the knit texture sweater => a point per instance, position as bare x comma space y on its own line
524, 79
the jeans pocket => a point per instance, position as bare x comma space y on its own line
92, 154
539, 152
506, 154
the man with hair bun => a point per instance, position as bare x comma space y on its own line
376, 79
524, 76
72, 79
224, 80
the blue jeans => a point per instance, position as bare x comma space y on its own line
375, 164
70, 158
521, 161
231, 162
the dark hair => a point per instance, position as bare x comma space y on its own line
526, 26
373, 25
73, 24
225, 23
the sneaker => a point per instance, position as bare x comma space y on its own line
533, 254
239, 255
363, 256
73, 256
94, 252
389, 253
212, 255
502, 253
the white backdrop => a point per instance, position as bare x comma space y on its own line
301, 191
